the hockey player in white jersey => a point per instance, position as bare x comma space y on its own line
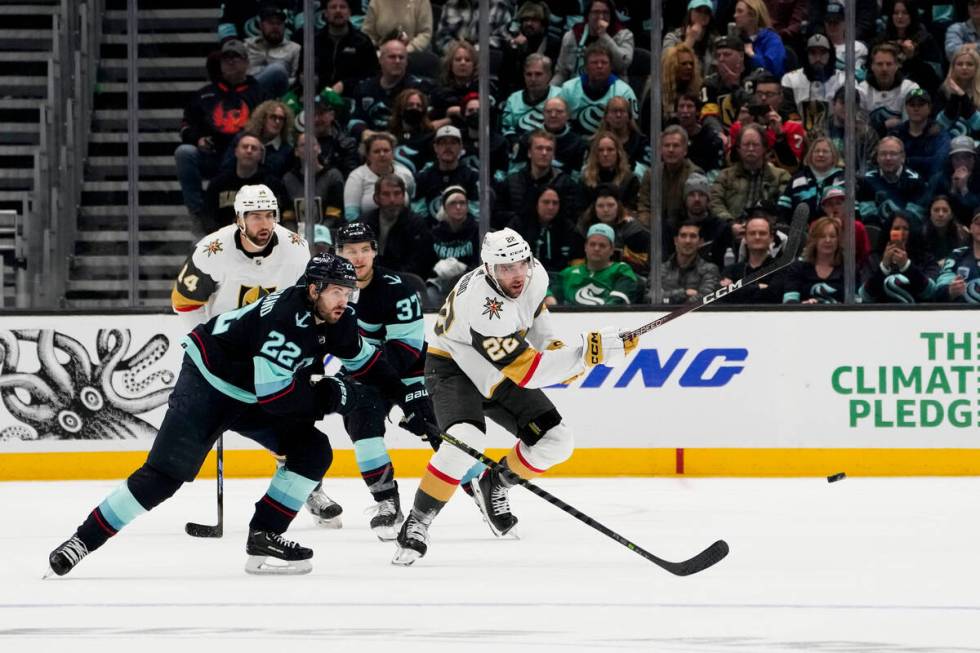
493, 350
239, 264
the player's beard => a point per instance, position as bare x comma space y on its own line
259, 238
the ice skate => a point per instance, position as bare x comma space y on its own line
413, 542
387, 518
325, 511
65, 557
270, 553
490, 495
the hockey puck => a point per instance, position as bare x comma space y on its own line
833, 478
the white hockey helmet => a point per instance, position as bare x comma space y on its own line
504, 246
256, 198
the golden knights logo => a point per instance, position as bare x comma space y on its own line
295, 238
250, 294
493, 307
212, 248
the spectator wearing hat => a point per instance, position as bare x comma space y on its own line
832, 205
374, 97
890, 186
959, 280
685, 277
455, 239
328, 187
524, 110
698, 32
926, 142
958, 179
215, 114
533, 38
833, 27
553, 238
964, 33
720, 108
758, 244
344, 56
821, 12
601, 26
272, 58
338, 149
522, 186
958, 98
240, 20
322, 240
445, 172
410, 21
819, 171
460, 21
750, 179
599, 281
884, 91
716, 233
571, 148
812, 86
587, 94
677, 169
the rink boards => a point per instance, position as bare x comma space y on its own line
713, 394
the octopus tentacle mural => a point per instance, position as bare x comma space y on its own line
80, 399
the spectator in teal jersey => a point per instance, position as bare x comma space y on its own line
599, 281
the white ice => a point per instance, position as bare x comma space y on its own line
860, 565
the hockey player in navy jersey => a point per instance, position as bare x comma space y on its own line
255, 370
389, 314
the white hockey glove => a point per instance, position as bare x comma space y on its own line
448, 268
606, 347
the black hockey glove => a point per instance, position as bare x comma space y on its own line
418, 410
334, 394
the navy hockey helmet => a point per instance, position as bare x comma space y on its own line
325, 269
356, 232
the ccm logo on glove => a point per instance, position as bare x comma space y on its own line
595, 348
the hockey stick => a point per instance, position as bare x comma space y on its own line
786, 258
713, 554
203, 530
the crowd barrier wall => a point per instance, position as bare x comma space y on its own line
750, 393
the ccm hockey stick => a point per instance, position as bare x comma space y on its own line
700, 562
203, 530
790, 251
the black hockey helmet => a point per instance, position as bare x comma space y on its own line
325, 269
356, 232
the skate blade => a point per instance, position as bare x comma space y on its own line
331, 522
261, 566
478, 500
405, 557
389, 533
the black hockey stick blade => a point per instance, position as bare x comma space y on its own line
203, 530
218, 530
710, 556
786, 257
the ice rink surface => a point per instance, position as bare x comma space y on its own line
860, 565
